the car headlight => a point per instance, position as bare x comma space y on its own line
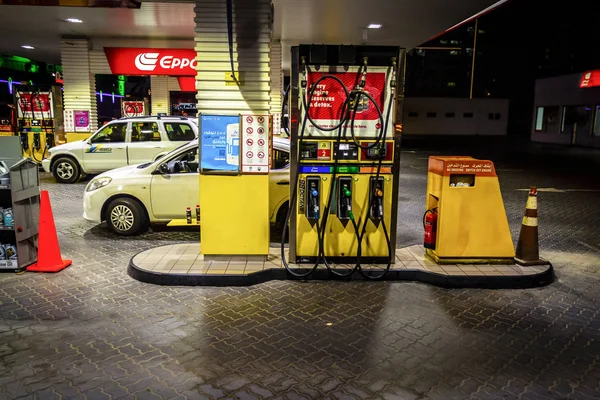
98, 183
48, 155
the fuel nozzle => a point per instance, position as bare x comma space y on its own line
376, 198
348, 201
379, 201
314, 196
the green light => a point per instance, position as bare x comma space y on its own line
347, 192
20, 59
121, 88
34, 68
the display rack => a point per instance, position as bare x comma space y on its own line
22, 195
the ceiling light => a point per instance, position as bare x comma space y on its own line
28, 47
74, 20
374, 26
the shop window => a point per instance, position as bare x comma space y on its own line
413, 114
596, 131
577, 119
431, 115
468, 115
145, 132
450, 115
111, 133
547, 119
281, 159
179, 132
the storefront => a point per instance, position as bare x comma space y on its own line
567, 110
131, 80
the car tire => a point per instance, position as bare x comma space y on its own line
126, 217
66, 170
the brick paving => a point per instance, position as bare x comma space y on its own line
92, 332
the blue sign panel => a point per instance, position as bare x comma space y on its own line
219, 143
314, 170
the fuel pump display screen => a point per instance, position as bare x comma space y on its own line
309, 151
376, 152
347, 151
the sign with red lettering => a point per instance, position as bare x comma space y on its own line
329, 97
590, 79
144, 61
34, 105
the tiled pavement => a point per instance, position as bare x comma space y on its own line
92, 332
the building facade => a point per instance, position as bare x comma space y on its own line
565, 112
459, 117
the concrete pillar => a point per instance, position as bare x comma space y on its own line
251, 53
276, 85
79, 82
159, 87
237, 221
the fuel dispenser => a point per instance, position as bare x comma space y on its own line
345, 159
35, 123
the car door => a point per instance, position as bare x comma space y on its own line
106, 149
145, 142
171, 193
279, 180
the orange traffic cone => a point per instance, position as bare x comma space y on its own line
528, 252
48, 257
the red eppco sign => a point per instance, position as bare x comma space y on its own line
590, 79
143, 61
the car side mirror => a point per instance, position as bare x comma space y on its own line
164, 169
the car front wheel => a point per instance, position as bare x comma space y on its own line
66, 170
126, 217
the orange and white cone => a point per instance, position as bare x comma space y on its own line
528, 251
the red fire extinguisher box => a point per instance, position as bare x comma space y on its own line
465, 212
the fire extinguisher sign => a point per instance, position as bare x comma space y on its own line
329, 97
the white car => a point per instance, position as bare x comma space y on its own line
130, 198
126, 141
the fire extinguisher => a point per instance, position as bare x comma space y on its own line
430, 224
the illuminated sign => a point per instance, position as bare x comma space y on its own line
590, 79
138, 61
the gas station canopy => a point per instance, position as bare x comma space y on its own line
170, 24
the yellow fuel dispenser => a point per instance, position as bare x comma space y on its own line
345, 159
35, 122
465, 220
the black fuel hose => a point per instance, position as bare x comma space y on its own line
294, 194
391, 256
344, 117
286, 96
321, 233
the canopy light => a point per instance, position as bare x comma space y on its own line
74, 20
28, 47
374, 26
